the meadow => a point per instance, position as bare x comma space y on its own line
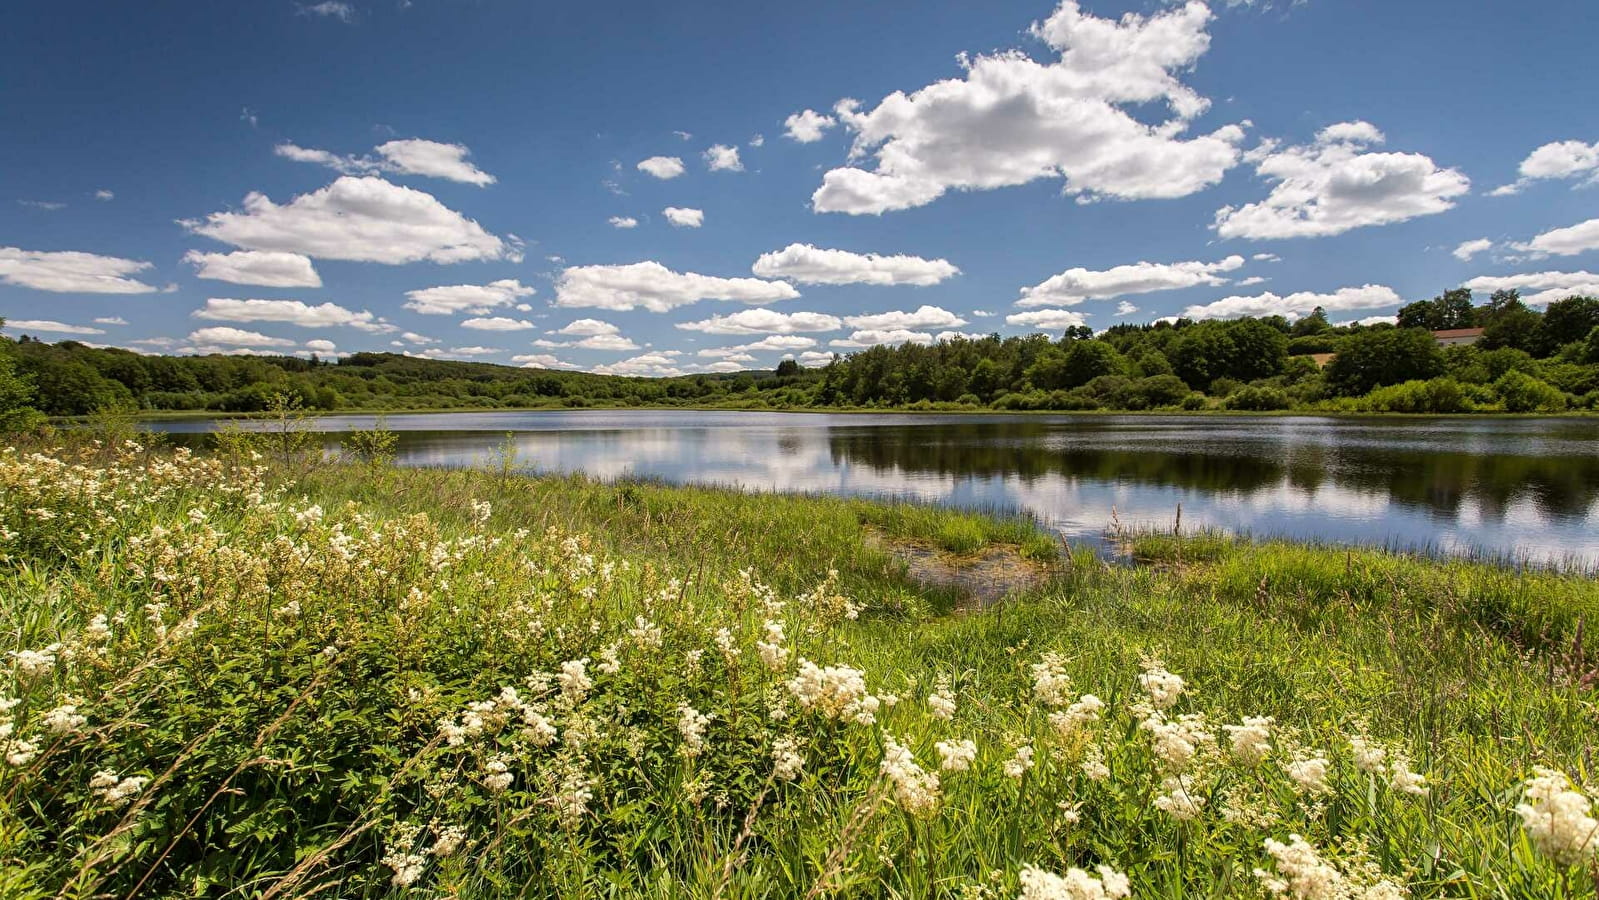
257, 673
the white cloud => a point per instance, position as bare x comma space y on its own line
412, 337
105, 195
411, 156
331, 9
111, 320
1546, 287
808, 264
1047, 319
1568, 241
722, 158
1073, 286
1336, 184
606, 342
497, 323
649, 364
1370, 320
622, 222
47, 205
1011, 120
466, 298
682, 217
983, 314
662, 167
1296, 304
541, 361
454, 352
965, 335
589, 328
764, 321
1125, 309
322, 346
267, 268
807, 126
814, 358
360, 219
1468, 249
1560, 159
293, 312
924, 317
779, 342
726, 365
414, 156
1266, 257
758, 140
71, 272
873, 337
51, 326
1251, 281
236, 337
658, 289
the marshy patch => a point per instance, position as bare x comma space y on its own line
982, 578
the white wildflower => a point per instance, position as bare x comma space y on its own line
838, 692
1558, 818
1162, 686
574, 679
1403, 780
115, 791
64, 719
1251, 741
1051, 685
1021, 763
942, 703
1309, 774
1076, 884
691, 724
1085, 711
915, 789
1177, 801
955, 756
787, 763
498, 775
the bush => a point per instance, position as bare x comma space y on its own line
1193, 401
1438, 395
1520, 392
1259, 399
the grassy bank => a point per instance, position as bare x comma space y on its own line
282, 680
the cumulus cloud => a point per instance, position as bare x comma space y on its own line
293, 312
722, 158
1073, 286
1047, 319
541, 361
1125, 308
683, 217
765, 321
606, 342
808, 126
466, 298
229, 336
1011, 120
1544, 287
1336, 184
656, 288
622, 222
104, 194
71, 272
924, 317
411, 156
662, 167
110, 320
589, 328
497, 323
1560, 159
266, 268
649, 364
331, 9
1568, 241
1294, 305
779, 342
363, 219
1468, 249
813, 358
808, 264
872, 337
49, 325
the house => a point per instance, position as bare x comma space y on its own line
1457, 337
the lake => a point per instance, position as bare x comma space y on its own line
1526, 489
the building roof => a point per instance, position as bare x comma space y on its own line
1457, 333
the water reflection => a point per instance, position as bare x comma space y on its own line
1519, 488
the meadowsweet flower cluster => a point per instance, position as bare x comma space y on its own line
1076, 884
915, 790
837, 692
1558, 818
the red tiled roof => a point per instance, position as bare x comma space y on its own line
1457, 332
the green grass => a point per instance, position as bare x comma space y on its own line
286, 701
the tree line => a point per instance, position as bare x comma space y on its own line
1526, 360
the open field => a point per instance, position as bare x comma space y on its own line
269, 676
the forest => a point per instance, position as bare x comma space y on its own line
1525, 360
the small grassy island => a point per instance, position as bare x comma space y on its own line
246, 674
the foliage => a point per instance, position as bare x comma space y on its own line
1437, 395
1375, 358
1259, 399
1520, 392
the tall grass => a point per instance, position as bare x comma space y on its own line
235, 678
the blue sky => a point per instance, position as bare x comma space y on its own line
446, 177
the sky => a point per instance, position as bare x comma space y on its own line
658, 189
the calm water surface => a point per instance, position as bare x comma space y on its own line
1520, 488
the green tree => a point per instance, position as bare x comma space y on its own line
1451, 309
1315, 323
1370, 359
1564, 322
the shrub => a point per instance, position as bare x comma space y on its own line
1262, 399
1195, 400
1520, 392
1439, 395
